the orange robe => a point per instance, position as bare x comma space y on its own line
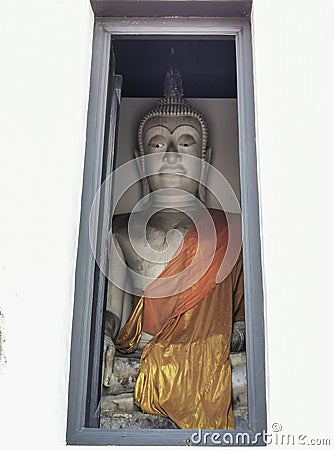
185, 370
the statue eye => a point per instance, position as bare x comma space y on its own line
186, 140
157, 142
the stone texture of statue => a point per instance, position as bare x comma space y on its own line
172, 131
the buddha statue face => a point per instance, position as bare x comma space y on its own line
171, 139
176, 134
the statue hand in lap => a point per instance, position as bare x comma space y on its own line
110, 331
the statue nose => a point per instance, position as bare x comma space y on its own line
172, 155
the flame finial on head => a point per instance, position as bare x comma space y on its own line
173, 86
173, 104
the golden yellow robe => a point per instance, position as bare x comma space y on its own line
185, 370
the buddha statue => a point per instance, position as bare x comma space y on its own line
184, 332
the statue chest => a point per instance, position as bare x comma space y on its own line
148, 257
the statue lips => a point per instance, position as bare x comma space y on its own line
173, 169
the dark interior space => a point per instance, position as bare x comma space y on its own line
207, 66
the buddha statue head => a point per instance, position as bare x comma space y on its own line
172, 130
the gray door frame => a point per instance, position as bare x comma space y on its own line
87, 318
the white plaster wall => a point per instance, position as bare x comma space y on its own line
294, 69
44, 79
45, 58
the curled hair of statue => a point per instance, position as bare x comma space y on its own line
173, 104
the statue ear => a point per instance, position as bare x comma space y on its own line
143, 179
208, 155
204, 174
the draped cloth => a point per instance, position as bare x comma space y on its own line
185, 369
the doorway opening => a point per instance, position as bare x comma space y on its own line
208, 70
